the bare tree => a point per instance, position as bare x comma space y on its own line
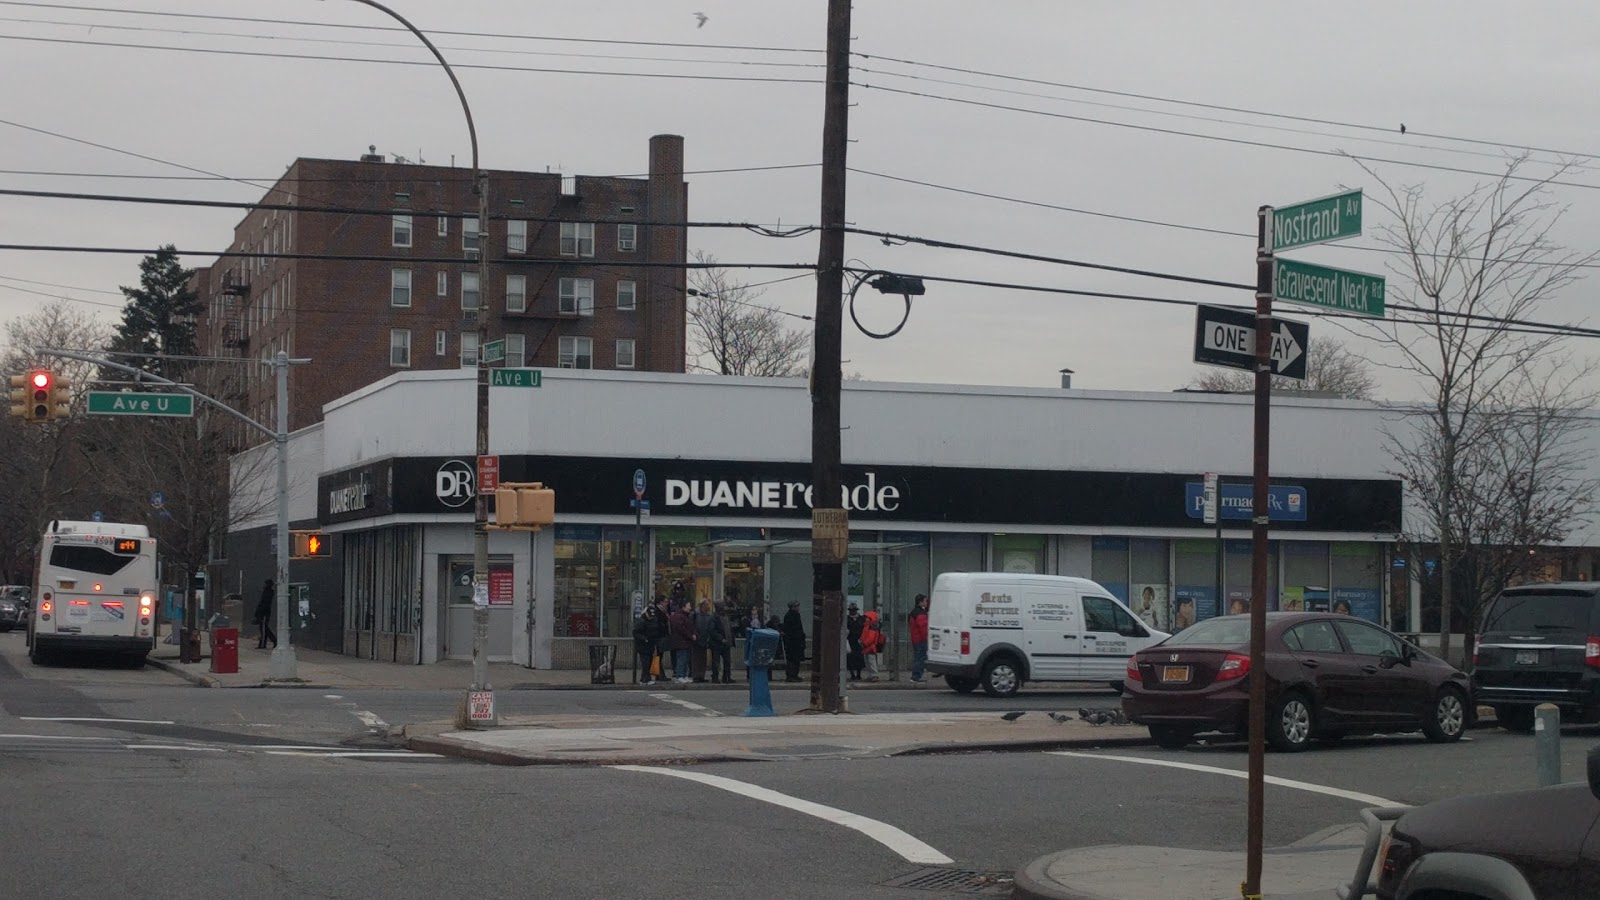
1331, 368
1473, 265
731, 334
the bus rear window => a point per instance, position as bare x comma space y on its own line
88, 558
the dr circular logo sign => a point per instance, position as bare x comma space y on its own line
453, 484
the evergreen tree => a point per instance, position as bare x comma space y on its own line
160, 315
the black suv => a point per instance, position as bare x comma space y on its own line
1540, 644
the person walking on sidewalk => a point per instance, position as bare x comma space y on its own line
855, 660
721, 647
704, 625
264, 616
871, 643
647, 632
794, 641
919, 637
682, 627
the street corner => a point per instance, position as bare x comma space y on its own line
472, 745
182, 670
1117, 872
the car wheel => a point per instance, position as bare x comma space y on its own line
1001, 677
1446, 718
961, 685
1290, 723
1171, 737
1515, 718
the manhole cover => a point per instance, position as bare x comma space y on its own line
960, 881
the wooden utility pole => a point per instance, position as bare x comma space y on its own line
830, 526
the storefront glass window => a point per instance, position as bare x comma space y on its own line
1109, 565
1305, 577
1194, 592
1149, 592
1018, 553
956, 553
620, 576
1238, 575
1358, 581
577, 571
681, 556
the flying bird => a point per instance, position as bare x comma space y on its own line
1013, 716
702, 17
1402, 128
1060, 718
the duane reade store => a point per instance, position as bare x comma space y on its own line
938, 479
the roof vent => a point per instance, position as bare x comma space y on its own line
372, 155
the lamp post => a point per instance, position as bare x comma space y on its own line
480, 713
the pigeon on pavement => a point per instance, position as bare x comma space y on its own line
1012, 716
1060, 718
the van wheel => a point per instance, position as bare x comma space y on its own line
1446, 717
1290, 723
961, 685
1171, 737
1001, 677
1515, 718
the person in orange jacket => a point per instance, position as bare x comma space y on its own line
872, 643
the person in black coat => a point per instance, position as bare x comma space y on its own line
794, 641
264, 616
855, 659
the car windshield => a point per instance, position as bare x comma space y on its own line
1543, 611
1229, 631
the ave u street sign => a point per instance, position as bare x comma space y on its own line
128, 403
1336, 289
1317, 221
1227, 337
516, 378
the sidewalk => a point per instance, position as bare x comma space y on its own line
678, 740
1310, 869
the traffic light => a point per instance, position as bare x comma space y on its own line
525, 506
19, 396
60, 399
309, 545
33, 396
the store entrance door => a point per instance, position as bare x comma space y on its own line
456, 586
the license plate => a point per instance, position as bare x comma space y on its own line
1174, 674
1527, 657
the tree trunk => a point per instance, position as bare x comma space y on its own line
1445, 598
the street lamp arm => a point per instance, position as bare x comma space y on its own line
472, 131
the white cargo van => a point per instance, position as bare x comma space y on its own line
998, 630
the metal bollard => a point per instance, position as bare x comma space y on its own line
1547, 743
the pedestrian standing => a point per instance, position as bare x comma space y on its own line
919, 637
871, 643
682, 627
264, 616
794, 641
721, 647
647, 632
663, 660
855, 660
704, 625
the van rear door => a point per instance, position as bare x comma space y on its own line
947, 619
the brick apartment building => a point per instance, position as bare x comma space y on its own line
585, 272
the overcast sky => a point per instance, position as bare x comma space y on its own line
1523, 75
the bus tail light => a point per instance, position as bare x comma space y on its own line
145, 603
97, 587
44, 610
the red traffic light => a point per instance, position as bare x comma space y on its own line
41, 379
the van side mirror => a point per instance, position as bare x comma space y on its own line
1594, 770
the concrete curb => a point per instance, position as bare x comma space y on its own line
1032, 883
179, 670
444, 747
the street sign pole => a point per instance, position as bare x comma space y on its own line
638, 535
1256, 792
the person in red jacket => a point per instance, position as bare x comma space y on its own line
919, 638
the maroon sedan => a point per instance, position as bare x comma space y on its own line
1328, 675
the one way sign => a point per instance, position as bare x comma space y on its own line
1227, 337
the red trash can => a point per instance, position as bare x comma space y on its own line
224, 650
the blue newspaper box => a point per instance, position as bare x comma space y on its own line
760, 649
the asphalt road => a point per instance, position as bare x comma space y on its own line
188, 792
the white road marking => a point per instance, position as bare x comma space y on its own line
1357, 796
678, 701
59, 737
370, 720
908, 847
350, 754
177, 747
92, 719
333, 696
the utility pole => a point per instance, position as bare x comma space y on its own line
480, 502
830, 524
283, 658
1260, 517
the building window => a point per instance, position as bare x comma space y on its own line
469, 234
626, 292
444, 284
399, 287
469, 348
516, 351
469, 291
516, 293
516, 236
576, 297
627, 238
577, 238
441, 342
625, 353
444, 225
400, 347
400, 233
577, 353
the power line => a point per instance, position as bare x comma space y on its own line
1223, 138
465, 179
429, 63
1315, 120
354, 257
487, 34
65, 287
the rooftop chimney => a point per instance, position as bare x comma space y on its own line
1066, 378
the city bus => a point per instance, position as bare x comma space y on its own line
95, 593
